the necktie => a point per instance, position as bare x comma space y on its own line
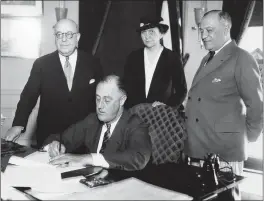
68, 73
212, 53
106, 138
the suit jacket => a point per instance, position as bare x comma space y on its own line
217, 121
59, 107
129, 147
168, 84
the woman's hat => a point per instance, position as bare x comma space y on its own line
148, 23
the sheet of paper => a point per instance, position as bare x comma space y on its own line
37, 176
10, 193
15, 160
43, 157
128, 189
68, 186
42, 180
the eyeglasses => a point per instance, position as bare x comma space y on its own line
68, 35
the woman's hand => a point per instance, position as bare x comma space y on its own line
156, 103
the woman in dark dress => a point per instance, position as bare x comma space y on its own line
154, 74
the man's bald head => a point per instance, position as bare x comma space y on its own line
215, 29
67, 22
222, 16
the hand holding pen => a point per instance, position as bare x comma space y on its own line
55, 149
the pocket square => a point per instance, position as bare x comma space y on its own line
215, 80
91, 81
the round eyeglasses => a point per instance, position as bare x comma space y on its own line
68, 35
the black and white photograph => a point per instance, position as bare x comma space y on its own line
132, 100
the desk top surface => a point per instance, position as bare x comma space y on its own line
178, 177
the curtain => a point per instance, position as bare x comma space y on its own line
240, 12
91, 14
175, 16
166, 40
257, 16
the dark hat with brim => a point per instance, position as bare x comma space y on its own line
148, 23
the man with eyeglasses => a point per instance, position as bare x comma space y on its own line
64, 81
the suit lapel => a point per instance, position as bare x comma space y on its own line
117, 135
77, 71
97, 134
218, 59
59, 70
154, 81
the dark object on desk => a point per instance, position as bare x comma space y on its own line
24, 190
93, 182
87, 171
209, 177
11, 148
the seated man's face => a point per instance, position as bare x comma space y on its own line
108, 101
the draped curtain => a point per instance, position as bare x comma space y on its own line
175, 15
108, 30
91, 14
241, 13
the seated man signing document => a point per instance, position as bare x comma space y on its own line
111, 138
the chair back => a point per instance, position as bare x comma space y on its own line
166, 129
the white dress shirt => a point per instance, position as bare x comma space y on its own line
150, 67
72, 60
98, 159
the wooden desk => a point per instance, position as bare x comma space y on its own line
178, 177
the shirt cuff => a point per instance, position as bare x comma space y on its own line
99, 160
46, 148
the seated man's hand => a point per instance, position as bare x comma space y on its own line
72, 160
156, 103
54, 149
13, 133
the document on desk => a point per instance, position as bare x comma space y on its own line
43, 177
128, 189
10, 193
44, 158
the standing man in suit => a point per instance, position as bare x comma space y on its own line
111, 138
154, 74
225, 102
64, 80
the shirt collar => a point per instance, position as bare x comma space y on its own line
113, 124
72, 57
227, 42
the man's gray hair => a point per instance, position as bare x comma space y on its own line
76, 25
224, 17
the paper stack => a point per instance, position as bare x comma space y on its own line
42, 178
